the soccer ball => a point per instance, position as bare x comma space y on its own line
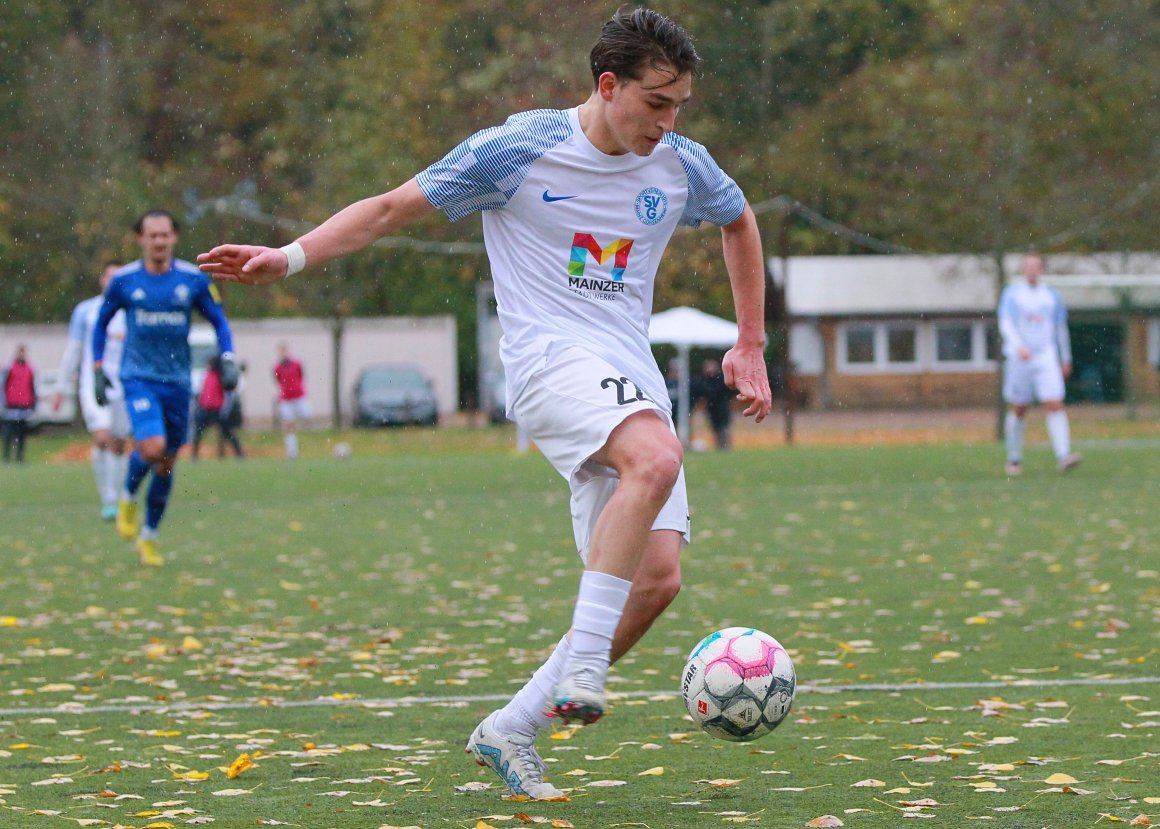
342, 451
738, 684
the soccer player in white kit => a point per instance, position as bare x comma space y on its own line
578, 206
1037, 348
108, 425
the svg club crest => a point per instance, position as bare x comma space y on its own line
652, 205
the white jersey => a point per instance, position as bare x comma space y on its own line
575, 236
1034, 318
78, 354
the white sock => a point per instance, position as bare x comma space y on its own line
102, 462
527, 712
1013, 430
292, 445
1060, 432
599, 606
117, 476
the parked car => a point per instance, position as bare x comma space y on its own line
44, 414
390, 395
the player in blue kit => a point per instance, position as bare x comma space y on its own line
158, 294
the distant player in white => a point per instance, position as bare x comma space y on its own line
578, 206
1037, 348
108, 425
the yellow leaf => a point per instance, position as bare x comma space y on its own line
656, 771
189, 643
720, 782
824, 822
241, 764
566, 733
482, 824
870, 783
1059, 779
191, 775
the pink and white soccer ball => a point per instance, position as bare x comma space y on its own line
738, 684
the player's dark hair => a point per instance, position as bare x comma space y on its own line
633, 41
139, 225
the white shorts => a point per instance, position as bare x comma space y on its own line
113, 418
569, 408
291, 411
1038, 379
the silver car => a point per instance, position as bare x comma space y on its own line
394, 395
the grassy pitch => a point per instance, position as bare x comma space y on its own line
327, 633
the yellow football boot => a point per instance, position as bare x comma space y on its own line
148, 552
128, 522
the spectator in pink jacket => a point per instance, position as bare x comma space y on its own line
19, 404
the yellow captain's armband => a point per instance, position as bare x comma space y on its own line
213, 292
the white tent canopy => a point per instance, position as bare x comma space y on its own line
685, 328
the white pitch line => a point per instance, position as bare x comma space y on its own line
404, 702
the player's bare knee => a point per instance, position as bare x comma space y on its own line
655, 472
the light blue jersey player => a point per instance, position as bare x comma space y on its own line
158, 295
1037, 348
578, 206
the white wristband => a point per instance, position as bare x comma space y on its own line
295, 258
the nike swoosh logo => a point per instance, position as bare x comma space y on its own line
549, 198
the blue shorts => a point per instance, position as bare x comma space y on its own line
158, 410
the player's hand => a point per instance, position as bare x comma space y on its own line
1024, 353
230, 372
744, 370
1066, 369
57, 400
101, 384
249, 264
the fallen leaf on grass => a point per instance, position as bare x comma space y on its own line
243, 763
719, 783
1060, 779
870, 783
824, 822
656, 771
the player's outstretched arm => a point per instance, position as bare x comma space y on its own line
352, 228
744, 364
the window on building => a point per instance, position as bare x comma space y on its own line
902, 344
954, 342
860, 345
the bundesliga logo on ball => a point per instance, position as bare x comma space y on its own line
738, 684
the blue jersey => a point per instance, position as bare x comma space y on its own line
158, 311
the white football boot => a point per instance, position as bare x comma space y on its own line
514, 758
580, 694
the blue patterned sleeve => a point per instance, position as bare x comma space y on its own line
484, 171
713, 196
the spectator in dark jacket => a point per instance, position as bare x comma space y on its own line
215, 406
718, 402
19, 404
